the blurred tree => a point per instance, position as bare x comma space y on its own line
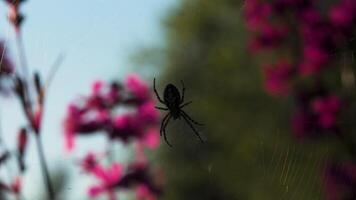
249, 153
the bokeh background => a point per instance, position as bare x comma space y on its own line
249, 151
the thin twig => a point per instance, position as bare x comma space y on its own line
40, 150
44, 167
53, 70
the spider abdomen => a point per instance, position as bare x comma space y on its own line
171, 96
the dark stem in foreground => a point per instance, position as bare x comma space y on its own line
44, 167
26, 75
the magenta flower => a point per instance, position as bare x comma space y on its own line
270, 36
151, 138
256, 14
89, 162
98, 113
143, 193
137, 87
70, 125
326, 109
278, 78
108, 178
148, 113
343, 14
315, 58
316, 113
15, 17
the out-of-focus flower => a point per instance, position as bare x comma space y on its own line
16, 186
317, 111
340, 181
139, 177
143, 193
15, 17
268, 37
278, 78
256, 14
326, 109
315, 59
108, 178
343, 14
137, 87
124, 113
98, 113
89, 162
151, 138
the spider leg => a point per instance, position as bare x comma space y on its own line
183, 91
155, 90
164, 131
163, 122
192, 127
192, 120
160, 108
189, 102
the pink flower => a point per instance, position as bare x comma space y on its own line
148, 113
314, 59
256, 14
16, 185
70, 124
137, 87
343, 14
270, 36
100, 113
143, 193
278, 78
326, 109
330, 103
108, 178
89, 162
151, 138
97, 86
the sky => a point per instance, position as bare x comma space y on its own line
96, 38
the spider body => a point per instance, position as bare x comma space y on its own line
172, 100
174, 103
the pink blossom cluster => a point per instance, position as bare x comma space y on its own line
123, 112
316, 113
306, 39
117, 176
100, 113
14, 187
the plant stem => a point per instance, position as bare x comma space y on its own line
27, 78
22, 56
44, 167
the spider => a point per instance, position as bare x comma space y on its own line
174, 104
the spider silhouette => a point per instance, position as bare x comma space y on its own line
174, 104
